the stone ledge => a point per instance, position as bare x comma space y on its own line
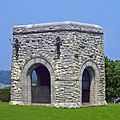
58, 23
57, 26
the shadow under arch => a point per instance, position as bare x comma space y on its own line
40, 84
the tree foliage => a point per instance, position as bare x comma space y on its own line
5, 94
112, 73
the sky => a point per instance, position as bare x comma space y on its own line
105, 13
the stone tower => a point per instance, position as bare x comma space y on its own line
68, 60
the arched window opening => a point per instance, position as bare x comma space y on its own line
34, 78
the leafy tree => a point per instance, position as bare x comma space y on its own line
112, 73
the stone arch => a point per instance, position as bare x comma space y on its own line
26, 81
94, 83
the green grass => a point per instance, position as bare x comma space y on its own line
9, 112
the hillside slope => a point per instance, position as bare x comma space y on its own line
5, 77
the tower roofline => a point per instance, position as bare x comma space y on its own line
58, 23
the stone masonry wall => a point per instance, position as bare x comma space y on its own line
80, 43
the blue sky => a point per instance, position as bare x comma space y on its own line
102, 12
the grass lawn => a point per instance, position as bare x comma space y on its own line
9, 112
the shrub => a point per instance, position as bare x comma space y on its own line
5, 94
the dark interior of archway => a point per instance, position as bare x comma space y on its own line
86, 79
40, 87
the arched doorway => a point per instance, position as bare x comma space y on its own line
89, 83
40, 84
86, 84
26, 78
